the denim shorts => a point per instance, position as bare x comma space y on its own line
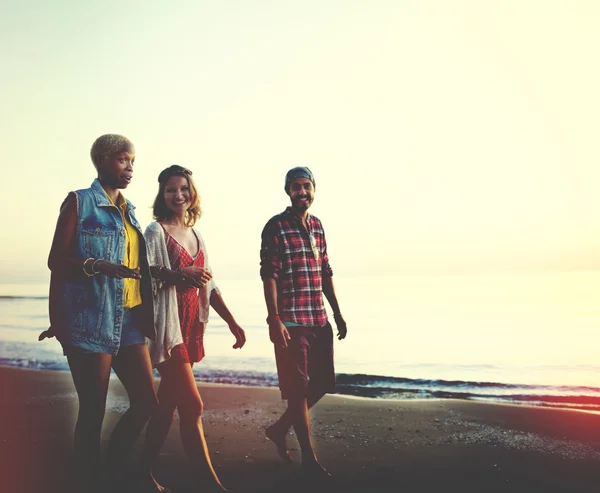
131, 334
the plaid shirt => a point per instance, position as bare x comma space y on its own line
288, 256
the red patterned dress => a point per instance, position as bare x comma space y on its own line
192, 330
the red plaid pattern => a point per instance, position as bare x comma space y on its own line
287, 255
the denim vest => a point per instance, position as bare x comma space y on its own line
93, 306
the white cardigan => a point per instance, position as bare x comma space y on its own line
166, 316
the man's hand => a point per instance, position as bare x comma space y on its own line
279, 334
239, 334
341, 326
118, 271
201, 275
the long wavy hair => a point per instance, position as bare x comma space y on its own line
160, 210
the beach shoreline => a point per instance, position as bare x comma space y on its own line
367, 444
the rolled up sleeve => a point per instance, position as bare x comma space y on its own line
325, 265
270, 257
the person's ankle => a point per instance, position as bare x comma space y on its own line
314, 469
310, 460
275, 429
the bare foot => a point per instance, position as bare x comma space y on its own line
148, 484
212, 487
314, 470
279, 440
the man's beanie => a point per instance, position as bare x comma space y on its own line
298, 172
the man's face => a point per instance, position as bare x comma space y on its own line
302, 193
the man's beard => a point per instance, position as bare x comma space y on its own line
299, 203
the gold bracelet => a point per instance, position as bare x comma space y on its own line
94, 265
84, 265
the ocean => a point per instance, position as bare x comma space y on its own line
526, 338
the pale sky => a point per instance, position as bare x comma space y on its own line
444, 136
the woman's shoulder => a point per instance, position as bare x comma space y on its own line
154, 228
93, 189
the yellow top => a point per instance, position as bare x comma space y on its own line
132, 295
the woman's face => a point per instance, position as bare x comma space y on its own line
177, 195
117, 170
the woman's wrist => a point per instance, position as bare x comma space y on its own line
156, 271
87, 263
95, 266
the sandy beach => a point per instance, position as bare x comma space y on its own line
367, 445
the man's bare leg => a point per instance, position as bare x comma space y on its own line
278, 431
310, 464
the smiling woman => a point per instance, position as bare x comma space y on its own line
188, 202
183, 292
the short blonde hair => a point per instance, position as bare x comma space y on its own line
108, 145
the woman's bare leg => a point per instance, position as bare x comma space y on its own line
190, 407
159, 426
91, 373
132, 366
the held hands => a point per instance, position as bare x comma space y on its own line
199, 274
118, 271
278, 333
239, 334
179, 278
341, 326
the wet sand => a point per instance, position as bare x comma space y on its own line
368, 445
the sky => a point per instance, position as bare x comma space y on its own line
443, 136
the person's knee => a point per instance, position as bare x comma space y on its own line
196, 407
297, 403
144, 406
151, 404
165, 408
317, 390
89, 423
91, 412
192, 408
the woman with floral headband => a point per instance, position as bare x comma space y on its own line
183, 292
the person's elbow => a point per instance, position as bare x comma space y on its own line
269, 271
55, 263
269, 282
